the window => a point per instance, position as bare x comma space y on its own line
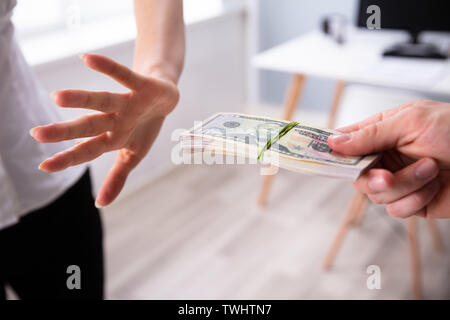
87, 25
33, 17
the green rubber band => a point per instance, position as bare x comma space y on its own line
274, 139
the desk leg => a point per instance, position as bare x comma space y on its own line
411, 225
340, 85
434, 231
359, 216
292, 97
357, 204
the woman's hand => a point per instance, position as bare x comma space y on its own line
413, 177
128, 122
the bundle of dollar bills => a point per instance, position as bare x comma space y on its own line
302, 148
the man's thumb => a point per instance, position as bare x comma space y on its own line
378, 136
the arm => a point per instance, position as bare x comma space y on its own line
160, 42
128, 122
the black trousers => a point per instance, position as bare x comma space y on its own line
36, 253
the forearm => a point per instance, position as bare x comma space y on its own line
160, 43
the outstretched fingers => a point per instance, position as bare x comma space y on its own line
85, 126
80, 153
115, 180
120, 73
94, 100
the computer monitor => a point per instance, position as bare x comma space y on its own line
413, 16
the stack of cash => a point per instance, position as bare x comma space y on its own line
302, 149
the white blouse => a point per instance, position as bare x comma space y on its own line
23, 105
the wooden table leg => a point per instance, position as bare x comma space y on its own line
361, 211
292, 97
359, 202
434, 231
411, 226
340, 85
264, 193
356, 205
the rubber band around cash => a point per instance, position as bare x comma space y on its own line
274, 139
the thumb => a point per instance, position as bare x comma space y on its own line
374, 137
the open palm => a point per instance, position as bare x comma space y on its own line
128, 122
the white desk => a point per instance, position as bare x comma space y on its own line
358, 60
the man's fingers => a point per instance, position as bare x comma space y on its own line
85, 126
376, 133
374, 137
379, 179
115, 180
359, 125
374, 119
115, 70
82, 152
414, 203
384, 187
100, 101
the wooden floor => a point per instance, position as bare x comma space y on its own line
197, 233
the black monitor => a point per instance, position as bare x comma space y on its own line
413, 16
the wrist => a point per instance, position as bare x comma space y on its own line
161, 71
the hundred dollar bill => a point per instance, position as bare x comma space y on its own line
303, 149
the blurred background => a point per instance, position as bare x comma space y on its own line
197, 232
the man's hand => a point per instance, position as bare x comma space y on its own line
128, 122
413, 177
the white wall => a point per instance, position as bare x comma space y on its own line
283, 20
213, 80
